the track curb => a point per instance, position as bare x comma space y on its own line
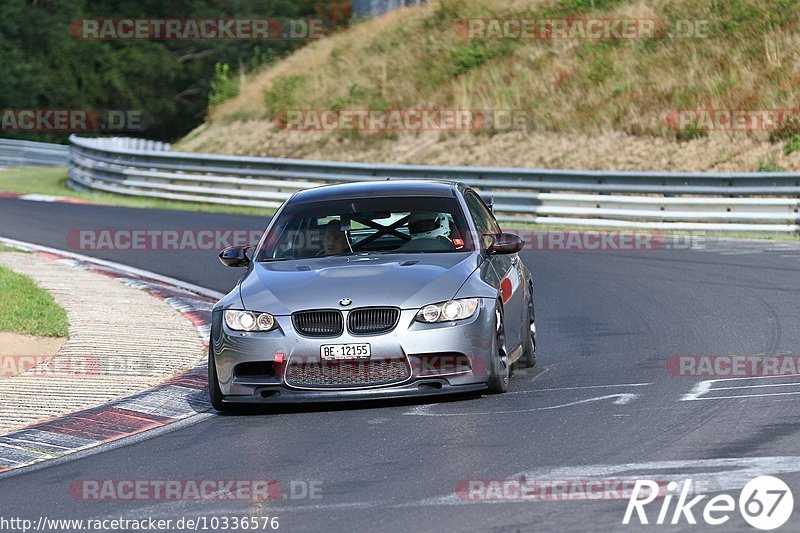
178, 398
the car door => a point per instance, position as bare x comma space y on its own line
509, 273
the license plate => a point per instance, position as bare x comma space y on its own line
338, 352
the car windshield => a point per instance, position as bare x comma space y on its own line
407, 224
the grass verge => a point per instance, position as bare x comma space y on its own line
4, 248
26, 308
53, 181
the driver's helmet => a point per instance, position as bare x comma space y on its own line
428, 225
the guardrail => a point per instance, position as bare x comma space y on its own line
15, 153
767, 201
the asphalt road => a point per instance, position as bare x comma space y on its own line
601, 395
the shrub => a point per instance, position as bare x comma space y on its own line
769, 166
283, 94
792, 145
223, 85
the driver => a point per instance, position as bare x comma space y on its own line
334, 241
425, 225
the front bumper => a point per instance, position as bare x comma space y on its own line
443, 358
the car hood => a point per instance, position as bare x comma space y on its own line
408, 281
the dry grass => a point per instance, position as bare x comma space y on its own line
590, 104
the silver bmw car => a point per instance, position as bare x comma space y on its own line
373, 290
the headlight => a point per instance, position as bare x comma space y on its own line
448, 311
247, 321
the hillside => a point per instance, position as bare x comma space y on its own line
585, 103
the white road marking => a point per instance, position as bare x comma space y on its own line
582, 388
707, 475
702, 388
719, 474
40, 198
542, 373
759, 386
747, 396
620, 399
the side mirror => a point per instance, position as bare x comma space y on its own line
506, 243
235, 256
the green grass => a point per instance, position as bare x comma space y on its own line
4, 248
26, 308
52, 181
769, 166
737, 55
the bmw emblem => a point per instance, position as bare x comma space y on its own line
345, 302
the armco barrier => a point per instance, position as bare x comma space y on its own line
14, 153
763, 201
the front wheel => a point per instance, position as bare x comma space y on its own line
499, 368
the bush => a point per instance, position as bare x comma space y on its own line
283, 94
223, 86
769, 166
792, 145
691, 132
476, 53
789, 129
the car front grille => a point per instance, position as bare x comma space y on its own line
372, 320
322, 323
346, 374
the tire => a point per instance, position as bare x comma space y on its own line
500, 370
214, 392
528, 359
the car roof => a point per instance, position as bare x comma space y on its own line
392, 187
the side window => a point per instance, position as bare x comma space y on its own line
484, 220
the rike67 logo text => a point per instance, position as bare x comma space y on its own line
765, 503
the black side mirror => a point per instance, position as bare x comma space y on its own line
506, 243
235, 256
